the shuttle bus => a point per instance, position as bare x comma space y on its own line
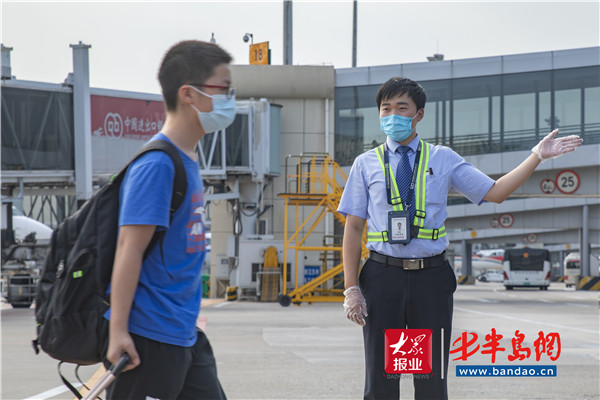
572, 268
526, 268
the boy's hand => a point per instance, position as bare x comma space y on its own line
119, 344
549, 147
355, 305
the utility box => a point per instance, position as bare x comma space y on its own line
250, 262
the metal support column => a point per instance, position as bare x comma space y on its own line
584, 246
354, 31
467, 269
82, 125
288, 33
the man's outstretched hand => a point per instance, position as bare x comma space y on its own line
549, 147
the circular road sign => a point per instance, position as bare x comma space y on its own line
548, 186
506, 220
532, 238
567, 181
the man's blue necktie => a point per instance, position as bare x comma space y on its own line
403, 180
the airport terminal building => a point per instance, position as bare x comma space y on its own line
492, 111
58, 139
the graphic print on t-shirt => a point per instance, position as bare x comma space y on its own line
195, 228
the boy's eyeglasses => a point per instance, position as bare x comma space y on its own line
230, 90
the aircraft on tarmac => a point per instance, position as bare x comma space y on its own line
481, 263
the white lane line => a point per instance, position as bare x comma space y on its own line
51, 393
577, 305
488, 300
222, 304
481, 299
442, 353
546, 301
526, 320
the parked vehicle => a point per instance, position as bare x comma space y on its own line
572, 269
527, 267
490, 276
24, 245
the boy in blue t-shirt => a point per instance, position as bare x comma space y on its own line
155, 301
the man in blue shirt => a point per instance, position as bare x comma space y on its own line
407, 281
155, 300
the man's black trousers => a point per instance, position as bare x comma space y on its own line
401, 299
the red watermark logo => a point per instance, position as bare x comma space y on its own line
466, 345
407, 351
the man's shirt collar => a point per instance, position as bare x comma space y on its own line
393, 145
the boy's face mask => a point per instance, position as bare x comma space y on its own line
222, 114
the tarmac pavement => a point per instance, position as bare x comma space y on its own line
265, 351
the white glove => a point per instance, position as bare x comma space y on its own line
549, 147
355, 305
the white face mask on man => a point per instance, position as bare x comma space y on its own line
222, 114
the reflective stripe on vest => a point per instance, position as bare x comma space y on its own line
397, 205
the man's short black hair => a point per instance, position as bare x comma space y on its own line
398, 86
190, 61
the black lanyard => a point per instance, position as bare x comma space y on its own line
388, 179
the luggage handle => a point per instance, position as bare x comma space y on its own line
107, 378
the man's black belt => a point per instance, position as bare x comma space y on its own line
409, 263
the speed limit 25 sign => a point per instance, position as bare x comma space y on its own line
567, 181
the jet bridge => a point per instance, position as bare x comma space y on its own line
61, 140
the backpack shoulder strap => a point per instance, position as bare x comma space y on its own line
179, 182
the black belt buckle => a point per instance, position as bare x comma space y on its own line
413, 264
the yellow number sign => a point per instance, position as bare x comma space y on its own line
259, 53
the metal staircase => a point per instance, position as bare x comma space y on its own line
314, 185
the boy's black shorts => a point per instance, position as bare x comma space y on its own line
169, 372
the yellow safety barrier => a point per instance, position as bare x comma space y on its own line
465, 280
232, 293
589, 283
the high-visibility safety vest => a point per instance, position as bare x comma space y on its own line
417, 229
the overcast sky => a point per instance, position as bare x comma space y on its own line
128, 39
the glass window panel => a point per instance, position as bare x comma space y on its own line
496, 119
236, 138
37, 129
592, 106
523, 94
545, 113
429, 125
356, 122
473, 106
435, 126
519, 120
471, 118
570, 84
206, 144
592, 115
567, 108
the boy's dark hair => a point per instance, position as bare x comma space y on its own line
398, 86
190, 61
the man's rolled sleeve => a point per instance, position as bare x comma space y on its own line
470, 181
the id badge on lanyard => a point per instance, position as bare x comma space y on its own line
398, 227
399, 221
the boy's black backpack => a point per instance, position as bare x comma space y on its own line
71, 296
